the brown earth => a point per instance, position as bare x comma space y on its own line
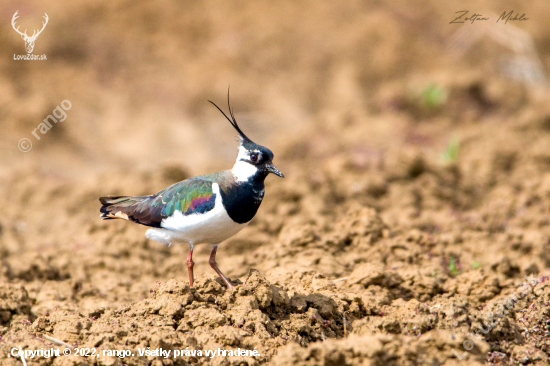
416, 197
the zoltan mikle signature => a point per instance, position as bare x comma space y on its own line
510, 16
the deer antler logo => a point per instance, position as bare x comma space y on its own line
29, 41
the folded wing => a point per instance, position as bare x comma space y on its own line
190, 197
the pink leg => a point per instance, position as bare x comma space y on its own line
214, 265
190, 265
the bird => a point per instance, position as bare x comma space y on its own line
205, 209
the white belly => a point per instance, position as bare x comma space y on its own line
211, 227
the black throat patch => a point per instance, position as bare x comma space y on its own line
242, 200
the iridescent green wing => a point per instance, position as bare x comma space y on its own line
191, 196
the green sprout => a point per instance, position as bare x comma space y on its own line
476, 265
450, 154
433, 96
453, 267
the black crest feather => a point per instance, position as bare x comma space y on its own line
232, 120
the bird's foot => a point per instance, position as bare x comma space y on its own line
214, 265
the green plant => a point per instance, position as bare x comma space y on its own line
450, 154
453, 266
433, 96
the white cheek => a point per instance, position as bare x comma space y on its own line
243, 170
243, 154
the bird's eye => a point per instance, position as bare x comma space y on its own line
254, 157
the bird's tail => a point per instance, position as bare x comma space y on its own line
119, 207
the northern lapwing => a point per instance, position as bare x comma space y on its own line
207, 209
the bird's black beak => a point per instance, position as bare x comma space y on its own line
271, 168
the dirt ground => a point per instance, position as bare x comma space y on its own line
412, 226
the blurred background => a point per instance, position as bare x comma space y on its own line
321, 77
408, 143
